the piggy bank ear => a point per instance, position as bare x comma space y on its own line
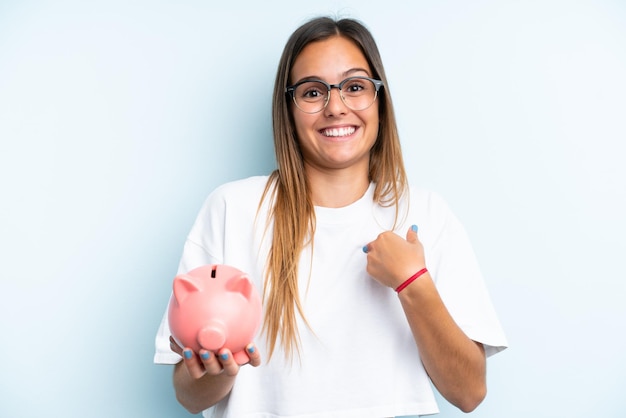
240, 284
184, 285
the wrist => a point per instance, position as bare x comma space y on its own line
411, 279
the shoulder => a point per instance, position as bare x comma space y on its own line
244, 191
432, 213
426, 200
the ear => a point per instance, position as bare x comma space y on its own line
240, 284
183, 286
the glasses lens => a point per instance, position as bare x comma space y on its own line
358, 93
311, 96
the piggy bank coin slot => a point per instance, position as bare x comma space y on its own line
213, 272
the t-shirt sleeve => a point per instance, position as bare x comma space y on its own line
460, 282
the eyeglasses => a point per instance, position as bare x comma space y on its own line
312, 96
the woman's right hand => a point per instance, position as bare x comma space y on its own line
213, 363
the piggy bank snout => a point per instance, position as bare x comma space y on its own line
212, 336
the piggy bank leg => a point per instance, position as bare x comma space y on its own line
213, 336
241, 357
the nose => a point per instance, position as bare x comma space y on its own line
335, 105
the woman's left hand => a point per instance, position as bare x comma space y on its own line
392, 259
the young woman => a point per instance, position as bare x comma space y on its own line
360, 313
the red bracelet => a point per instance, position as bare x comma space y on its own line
411, 280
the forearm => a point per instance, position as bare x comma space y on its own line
197, 395
455, 364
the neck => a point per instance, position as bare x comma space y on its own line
336, 189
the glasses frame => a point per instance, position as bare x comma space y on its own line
290, 90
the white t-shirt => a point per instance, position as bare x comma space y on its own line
359, 358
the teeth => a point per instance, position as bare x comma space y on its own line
339, 131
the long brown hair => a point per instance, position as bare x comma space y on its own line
292, 212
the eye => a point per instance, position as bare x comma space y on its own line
355, 86
311, 91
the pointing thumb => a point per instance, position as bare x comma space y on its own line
411, 235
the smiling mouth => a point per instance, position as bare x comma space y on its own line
338, 132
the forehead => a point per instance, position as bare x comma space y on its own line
330, 59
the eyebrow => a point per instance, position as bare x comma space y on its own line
356, 70
345, 74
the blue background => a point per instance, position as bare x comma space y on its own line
117, 118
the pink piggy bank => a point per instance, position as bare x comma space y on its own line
213, 307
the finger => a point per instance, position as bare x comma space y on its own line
254, 355
210, 362
411, 235
193, 364
230, 366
